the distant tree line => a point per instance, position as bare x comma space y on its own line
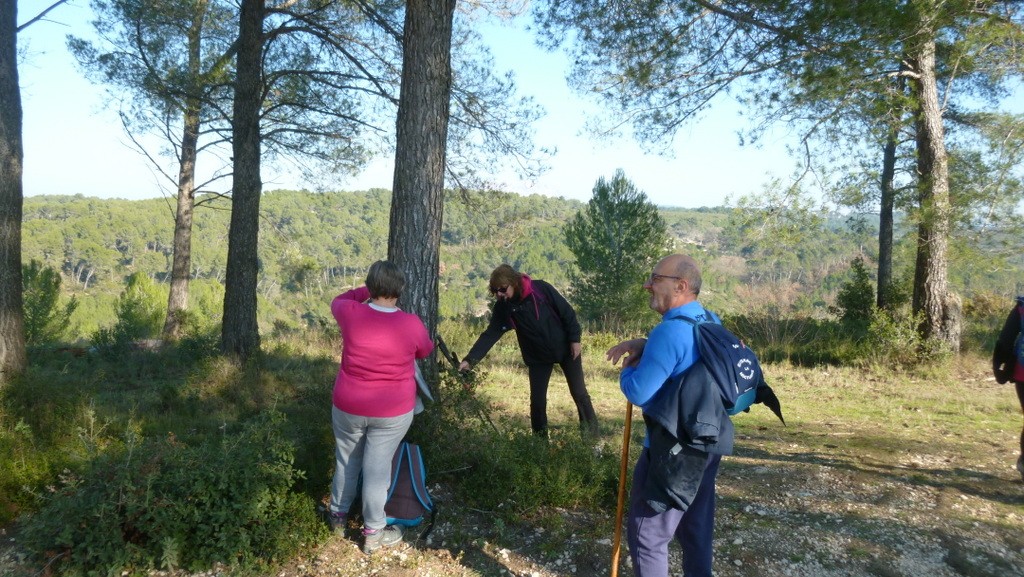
313, 245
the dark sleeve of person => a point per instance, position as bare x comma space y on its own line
497, 326
565, 312
1002, 355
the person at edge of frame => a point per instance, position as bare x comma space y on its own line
1005, 366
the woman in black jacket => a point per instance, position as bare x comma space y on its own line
548, 334
1005, 364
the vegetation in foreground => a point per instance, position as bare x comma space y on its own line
114, 465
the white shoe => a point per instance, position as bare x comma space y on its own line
386, 537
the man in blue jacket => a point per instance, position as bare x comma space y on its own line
649, 365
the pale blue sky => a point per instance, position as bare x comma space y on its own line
74, 142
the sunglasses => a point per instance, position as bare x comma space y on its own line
502, 290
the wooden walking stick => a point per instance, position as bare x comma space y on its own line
617, 542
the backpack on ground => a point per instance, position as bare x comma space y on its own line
408, 501
734, 368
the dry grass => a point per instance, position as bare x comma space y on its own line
874, 474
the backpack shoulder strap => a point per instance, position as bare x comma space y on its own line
419, 476
396, 466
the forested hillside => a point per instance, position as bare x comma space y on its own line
312, 245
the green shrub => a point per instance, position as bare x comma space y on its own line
140, 315
892, 340
47, 320
162, 503
47, 428
801, 340
984, 315
509, 471
855, 302
521, 474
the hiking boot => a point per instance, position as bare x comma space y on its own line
1020, 466
337, 521
374, 539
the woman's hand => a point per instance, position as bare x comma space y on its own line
576, 349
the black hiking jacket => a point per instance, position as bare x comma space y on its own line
545, 324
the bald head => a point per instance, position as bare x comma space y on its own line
674, 282
683, 267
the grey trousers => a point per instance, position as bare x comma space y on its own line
365, 445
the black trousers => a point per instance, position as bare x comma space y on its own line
540, 376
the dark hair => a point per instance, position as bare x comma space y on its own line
385, 279
504, 276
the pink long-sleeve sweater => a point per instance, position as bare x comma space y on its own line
376, 377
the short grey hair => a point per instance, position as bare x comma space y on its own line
385, 280
688, 269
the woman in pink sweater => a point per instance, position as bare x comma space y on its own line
374, 396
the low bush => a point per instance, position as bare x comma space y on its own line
139, 313
47, 314
506, 469
160, 503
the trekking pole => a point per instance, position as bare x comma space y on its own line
617, 542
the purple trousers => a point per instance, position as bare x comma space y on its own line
649, 533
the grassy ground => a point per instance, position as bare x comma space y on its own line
874, 474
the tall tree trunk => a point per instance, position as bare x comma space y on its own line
887, 202
239, 332
422, 131
885, 220
181, 266
941, 311
12, 314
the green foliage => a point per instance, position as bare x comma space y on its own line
855, 302
785, 259
616, 239
140, 315
47, 320
520, 474
886, 339
803, 341
24, 468
505, 469
162, 503
47, 429
893, 341
984, 315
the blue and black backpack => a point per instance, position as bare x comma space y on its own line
734, 368
409, 501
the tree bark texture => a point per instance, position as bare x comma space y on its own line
240, 333
422, 132
181, 266
941, 315
12, 314
885, 220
